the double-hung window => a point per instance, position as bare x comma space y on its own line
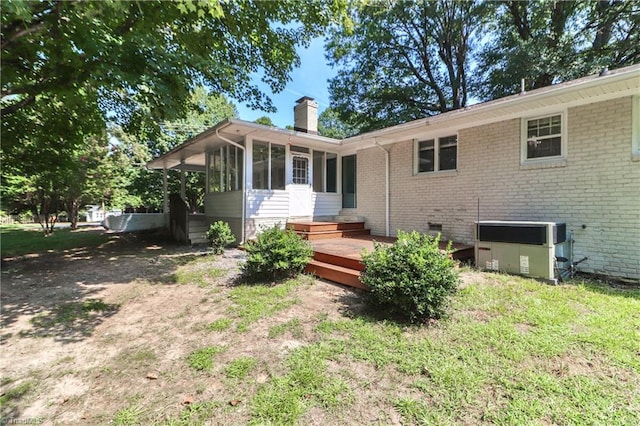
543, 138
438, 154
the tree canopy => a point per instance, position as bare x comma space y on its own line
405, 60
331, 126
70, 69
141, 59
547, 42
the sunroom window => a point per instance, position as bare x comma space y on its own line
325, 171
268, 165
225, 169
437, 154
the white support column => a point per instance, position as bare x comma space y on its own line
183, 190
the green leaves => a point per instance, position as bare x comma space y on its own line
276, 254
412, 278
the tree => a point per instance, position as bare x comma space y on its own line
546, 42
403, 60
331, 126
265, 121
204, 111
68, 68
142, 58
38, 167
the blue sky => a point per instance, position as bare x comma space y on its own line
310, 79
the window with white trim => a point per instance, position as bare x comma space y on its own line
268, 165
225, 169
438, 154
543, 138
300, 170
325, 171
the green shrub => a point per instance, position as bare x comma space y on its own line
276, 254
220, 236
412, 277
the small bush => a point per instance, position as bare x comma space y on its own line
220, 236
412, 277
276, 254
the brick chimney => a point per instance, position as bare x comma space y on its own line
305, 115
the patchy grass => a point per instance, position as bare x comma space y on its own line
71, 319
306, 384
239, 368
254, 301
292, 326
202, 359
9, 398
128, 416
221, 324
512, 351
203, 276
19, 240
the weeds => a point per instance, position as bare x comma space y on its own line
202, 359
239, 368
293, 326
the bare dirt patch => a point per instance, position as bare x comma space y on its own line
104, 333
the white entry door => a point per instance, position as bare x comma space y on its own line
300, 191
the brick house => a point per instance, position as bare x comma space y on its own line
565, 153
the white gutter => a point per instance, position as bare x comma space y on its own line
386, 184
244, 179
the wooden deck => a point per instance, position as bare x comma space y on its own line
339, 258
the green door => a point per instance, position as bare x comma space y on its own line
349, 182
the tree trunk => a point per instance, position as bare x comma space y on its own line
72, 211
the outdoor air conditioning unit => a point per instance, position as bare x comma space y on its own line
519, 247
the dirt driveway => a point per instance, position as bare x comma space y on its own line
91, 336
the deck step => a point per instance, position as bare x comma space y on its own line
335, 273
338, 260
323, 235
324, 226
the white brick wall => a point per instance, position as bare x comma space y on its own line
599, 186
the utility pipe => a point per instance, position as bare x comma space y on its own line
386, 184
244, 179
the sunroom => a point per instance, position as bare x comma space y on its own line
258, 176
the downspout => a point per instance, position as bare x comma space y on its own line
386, 184
244, 179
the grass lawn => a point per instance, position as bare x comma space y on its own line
18, 240
195, 345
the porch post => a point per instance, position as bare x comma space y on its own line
183, 191
165, 189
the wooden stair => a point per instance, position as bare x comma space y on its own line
336, 273
198, 227
325, 230
332, 266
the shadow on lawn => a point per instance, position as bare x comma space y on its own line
358, 304
611, 287
57, 292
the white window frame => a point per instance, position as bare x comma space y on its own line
524, 123
323, 169
635, 129
269, 164
306, 159
436, 153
